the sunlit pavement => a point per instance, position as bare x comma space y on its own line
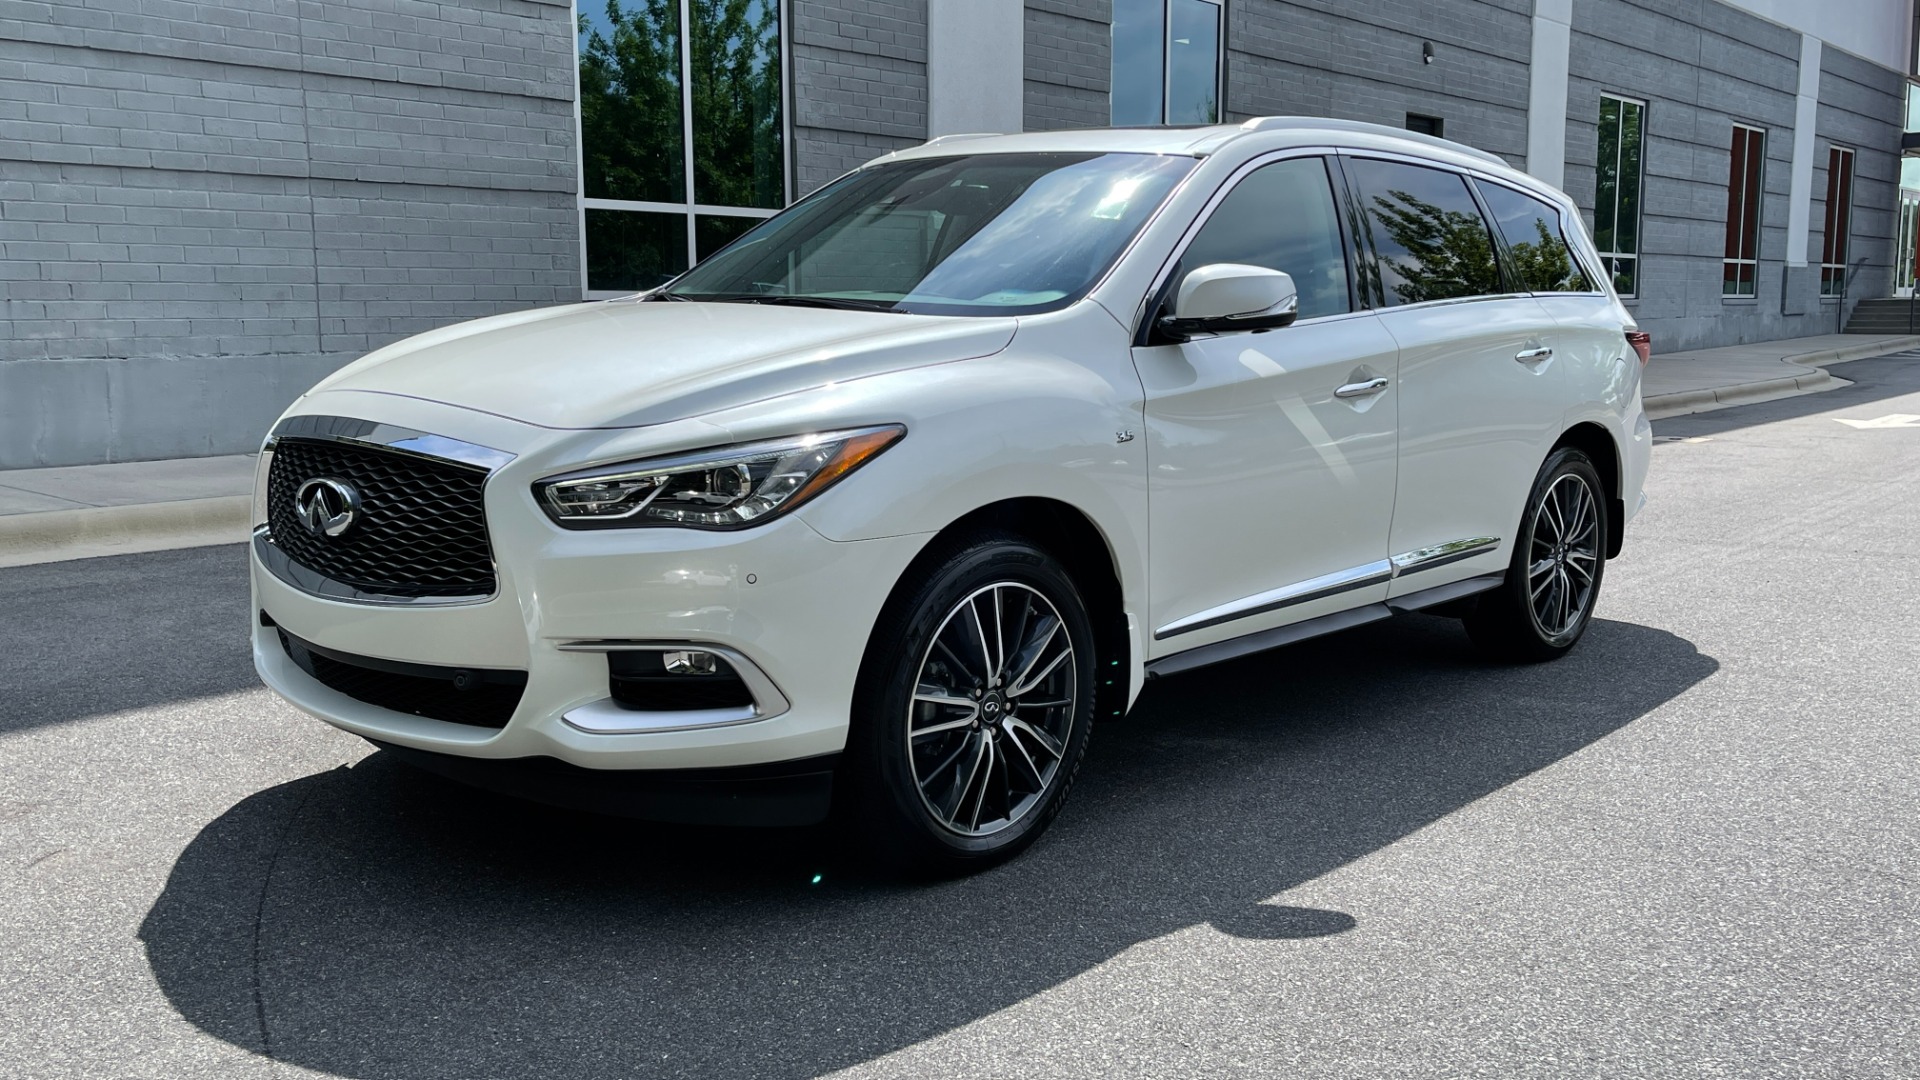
1687, 850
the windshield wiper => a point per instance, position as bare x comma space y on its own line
790, 300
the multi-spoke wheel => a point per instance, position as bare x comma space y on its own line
1558, 561
973, 708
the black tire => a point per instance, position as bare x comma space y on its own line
1509, 623
880, 786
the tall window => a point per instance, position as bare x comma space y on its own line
682, 143
1745, 178
1166, 61
1616, 205
1839, 222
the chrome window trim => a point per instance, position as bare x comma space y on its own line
604, 717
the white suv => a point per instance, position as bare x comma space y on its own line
885, 505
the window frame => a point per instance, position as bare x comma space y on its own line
1166, 65
1737, 226
1833, 239
1357, 296
1562, 217
689, 209
1640, 188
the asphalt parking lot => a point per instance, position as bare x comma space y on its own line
1689, 849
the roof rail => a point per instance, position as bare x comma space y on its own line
1267, 123
957, 138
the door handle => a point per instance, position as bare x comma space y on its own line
1534, 356
1361, 389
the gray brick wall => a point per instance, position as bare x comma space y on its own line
1363, 62
1069, 64
859, 83
1701, 66
205, 206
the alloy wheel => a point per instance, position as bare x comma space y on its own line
1563, 562
992, 710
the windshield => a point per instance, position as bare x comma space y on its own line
988, 234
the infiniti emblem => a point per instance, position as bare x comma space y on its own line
326, 507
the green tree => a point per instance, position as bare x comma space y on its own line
737, 139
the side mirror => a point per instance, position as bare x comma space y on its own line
1225, 297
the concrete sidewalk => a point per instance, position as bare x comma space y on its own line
1689, 382
48, 515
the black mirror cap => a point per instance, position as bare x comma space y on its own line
1177, 329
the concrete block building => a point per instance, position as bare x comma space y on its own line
206, 205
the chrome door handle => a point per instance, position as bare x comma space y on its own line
1361, 389
1531, 356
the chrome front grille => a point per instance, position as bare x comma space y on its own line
418, 534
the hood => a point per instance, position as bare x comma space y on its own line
629, 364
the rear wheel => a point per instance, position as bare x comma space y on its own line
973, 710
1558, 562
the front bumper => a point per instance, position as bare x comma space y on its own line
795, 606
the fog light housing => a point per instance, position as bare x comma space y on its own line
677, 680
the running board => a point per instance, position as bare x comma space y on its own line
1248, 644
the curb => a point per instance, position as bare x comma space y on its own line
58, 535
1814, 381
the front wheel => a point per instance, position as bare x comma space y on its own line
973, 710
1558, 561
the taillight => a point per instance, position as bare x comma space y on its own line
1642, 343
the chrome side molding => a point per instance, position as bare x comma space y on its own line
1373, 573
1359, 577
1452, 551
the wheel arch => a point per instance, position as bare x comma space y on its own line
1069, 535
1598, 444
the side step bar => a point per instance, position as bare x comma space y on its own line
1233, 648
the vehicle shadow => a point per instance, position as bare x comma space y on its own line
375, 921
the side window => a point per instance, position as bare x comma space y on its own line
1538, 253
1282, 216
1428, 235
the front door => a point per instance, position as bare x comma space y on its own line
1271, 455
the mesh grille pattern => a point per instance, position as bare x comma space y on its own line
487, 704
421, 530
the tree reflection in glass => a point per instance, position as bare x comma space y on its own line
630, 122
737, 147
1441, 254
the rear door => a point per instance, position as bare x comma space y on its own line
1481, 391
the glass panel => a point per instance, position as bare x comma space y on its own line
630, 123
1139, 51
1843, 212
1537, 250
1282, 217
1626, 276
1833, 203
629, 250
1607, 175
1429, 236
1627, 216
1193, 63
1754, 192
982, 234
738, 158
711, 232
1736, 176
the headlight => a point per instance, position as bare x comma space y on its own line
728, 488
